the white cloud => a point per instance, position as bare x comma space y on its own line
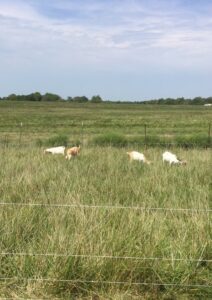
107, 32
18, 10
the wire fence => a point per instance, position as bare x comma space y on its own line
147, 141
110, 207
164, 139
105, 257
207, 144
31, 298
52, 298
112, 257
21, 298
102, 282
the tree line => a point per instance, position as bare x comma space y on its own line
97, 99
172, 101
181, 100
51, 97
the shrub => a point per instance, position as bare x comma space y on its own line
39, 143
193, 141
110, 139
58, 140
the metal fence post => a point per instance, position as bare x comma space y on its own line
82, 137
20, 134
145, 135
209, 134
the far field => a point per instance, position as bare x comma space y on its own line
167, 252
44, 120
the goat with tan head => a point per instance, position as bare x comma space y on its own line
72, 152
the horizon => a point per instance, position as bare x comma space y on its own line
121, 50
4, 98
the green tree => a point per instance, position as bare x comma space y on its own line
208, 100
36, 96
33, 97
198, 100
96, 99
50, 97
12, 97
80, 99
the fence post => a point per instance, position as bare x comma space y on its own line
209, 134
6, 141
145, 135
20, 134
82, 134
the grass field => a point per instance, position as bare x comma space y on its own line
44, 120
102, 176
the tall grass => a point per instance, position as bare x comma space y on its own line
104, 176
57, 140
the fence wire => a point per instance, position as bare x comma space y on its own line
86, 206
78, 281
102, 282
104, 256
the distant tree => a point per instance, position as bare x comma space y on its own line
80, 99
160, 101
12, 97
209, 100
179, 100
50, 97
83, 99
96, 99
36, 96
33, 97
188, 101
198, 100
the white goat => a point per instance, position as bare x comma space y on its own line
134, 155
55, 150
172, 159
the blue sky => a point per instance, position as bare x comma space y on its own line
120, 49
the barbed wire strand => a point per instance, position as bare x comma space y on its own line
106, 282
102, 256
21, 298
30, 298
194, 210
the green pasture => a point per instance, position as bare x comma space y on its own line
87, 122
179, 234
104, 177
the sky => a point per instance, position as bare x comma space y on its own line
129, 50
